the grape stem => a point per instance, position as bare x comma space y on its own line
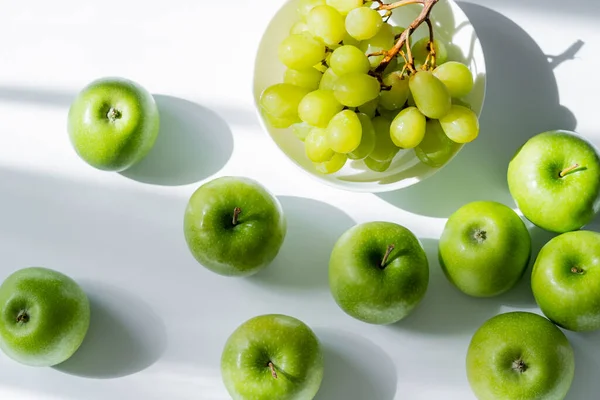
423, 16
397, 4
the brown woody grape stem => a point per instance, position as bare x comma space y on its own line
389, 250
423, 16
236, 213
273, 372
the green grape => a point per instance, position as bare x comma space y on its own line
345, 6
420, 51
344, 132
348, 59
280, 101
350, 41
363, 23
408, 128
369, 108
384, 149
411, 100
384, 40
298, 28
336, 163
431, 96
279, 123
316, 147
398, 30
396, 97
456, 76
327, 24
318, 108
304, 6
460, 102
367, 141
301, 51
377, 166
388, 114
436, 148
301, 130
461, 124
353, 90
320, 67
307, 78
328, 81
393, 66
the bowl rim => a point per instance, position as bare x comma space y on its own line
357, 187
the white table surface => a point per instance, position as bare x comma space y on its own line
159, 319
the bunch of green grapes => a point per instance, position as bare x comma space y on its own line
337, 102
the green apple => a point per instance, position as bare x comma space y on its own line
378, 272
555, 180
566, 280
520, 355
272, 356
234, 226
44, 316
113, 123
484, 249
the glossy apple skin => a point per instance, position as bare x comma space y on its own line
58, 314
504, 340
234, 250
365, 290
113, 145
289, 344
484, 267
566, 280
554, 203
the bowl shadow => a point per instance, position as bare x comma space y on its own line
521, 101
313, 227
193, 143
125, 336
355, 368
445, 310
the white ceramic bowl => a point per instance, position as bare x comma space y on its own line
451, 26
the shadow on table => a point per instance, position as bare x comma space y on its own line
303, 261
521, 101
193, 144
125, 336
355, 368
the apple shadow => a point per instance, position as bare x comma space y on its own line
521, 101
313, 227
193, 143
125, 336
445, 310
355, 368
586, 346
521, 295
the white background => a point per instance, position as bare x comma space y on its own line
159, 319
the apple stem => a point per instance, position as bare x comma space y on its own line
23, 317
236, 213
389, 250
576, 270
273, 372
113, 114
519, 366
567, 170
